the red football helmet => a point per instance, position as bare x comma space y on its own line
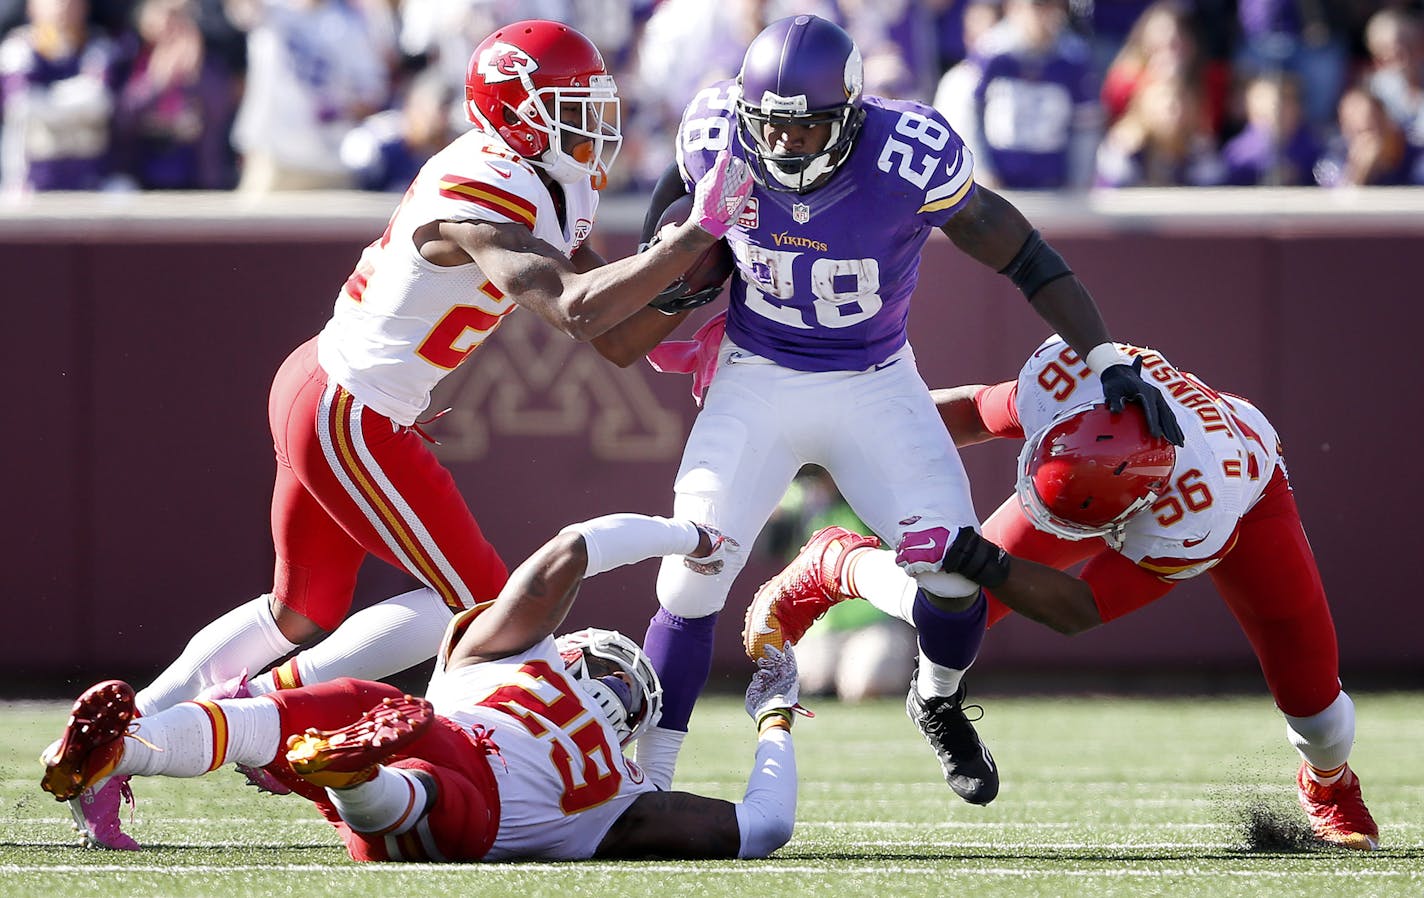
1087, 473
534, 82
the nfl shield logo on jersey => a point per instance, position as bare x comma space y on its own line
801, 212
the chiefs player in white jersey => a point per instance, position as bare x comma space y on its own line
1144, 515
495, 221
412, 779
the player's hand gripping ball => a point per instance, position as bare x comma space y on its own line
703, 280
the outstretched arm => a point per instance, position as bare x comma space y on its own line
538, 595
991, 230
582, 304
1036, 591
631, 340
587, 303
960, 414
994, 232
682, 825
676, 825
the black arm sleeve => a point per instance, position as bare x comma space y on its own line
1035, 266
668, 189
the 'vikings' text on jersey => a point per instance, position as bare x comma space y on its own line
824, 279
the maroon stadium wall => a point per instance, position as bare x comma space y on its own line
138, 460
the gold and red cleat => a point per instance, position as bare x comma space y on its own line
349, 756
1337, 812
92, 743
786, 605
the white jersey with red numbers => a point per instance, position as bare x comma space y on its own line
402, 323
563, 779
1230, 454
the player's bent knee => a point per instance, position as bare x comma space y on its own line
953, 587
320, 596
691, 595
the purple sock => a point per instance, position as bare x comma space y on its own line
680, 649
950, 639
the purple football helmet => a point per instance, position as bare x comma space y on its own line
801, 70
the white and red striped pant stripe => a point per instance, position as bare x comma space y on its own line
352, 483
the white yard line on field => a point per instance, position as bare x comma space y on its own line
930, 868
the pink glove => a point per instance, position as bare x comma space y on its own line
697, 356
721, 194
922, 551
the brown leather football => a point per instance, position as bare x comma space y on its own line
703, 280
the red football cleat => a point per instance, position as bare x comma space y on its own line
85, 754
339, 759
786, 605
1337, 812
92, 743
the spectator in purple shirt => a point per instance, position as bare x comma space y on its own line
175, 109
56, 85
1276, 148
1037, 115
954, 97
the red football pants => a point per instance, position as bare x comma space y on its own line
350, 482
1269, 581
464, 821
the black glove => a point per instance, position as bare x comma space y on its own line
676, 297
1122, 383
974, 557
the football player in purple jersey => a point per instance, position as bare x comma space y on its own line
815, 367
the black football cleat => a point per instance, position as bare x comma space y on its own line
968, 767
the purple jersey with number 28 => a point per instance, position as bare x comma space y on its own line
824, 278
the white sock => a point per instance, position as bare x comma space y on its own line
389, 805
192, 738
1324, 740
246, 638
932, 680
656, 752
618, 539
373, 643
873, 575
767, 812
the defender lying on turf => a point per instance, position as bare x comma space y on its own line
403, 778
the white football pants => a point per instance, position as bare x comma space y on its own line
876, 431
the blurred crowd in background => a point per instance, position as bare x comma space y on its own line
264, 95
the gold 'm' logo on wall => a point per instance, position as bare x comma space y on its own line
532, 381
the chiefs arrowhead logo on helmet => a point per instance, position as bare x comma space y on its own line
505, 62
540, 85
